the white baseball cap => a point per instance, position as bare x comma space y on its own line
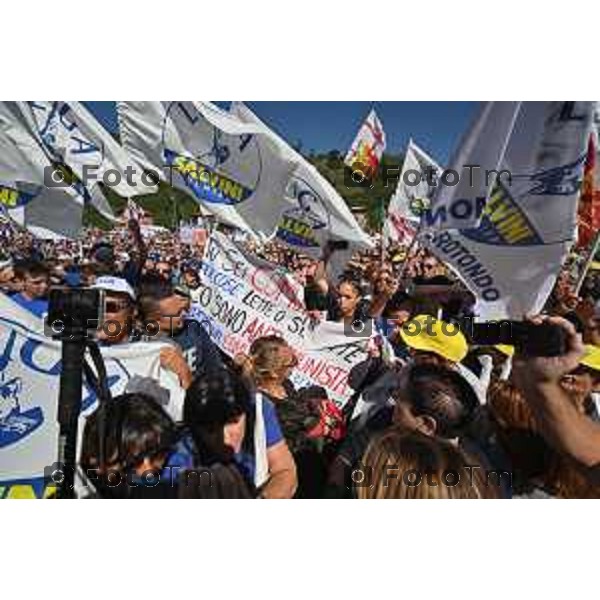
5, 263
114, 284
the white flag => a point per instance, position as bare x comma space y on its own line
463, 189
72, 136
229, 166
511, 260
413, 194
368, 147
24, 168
313, 212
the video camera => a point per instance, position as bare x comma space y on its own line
74, 316
529, 339
74, 312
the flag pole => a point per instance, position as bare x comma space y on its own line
588, 262
175, 212
383, 240
409, 251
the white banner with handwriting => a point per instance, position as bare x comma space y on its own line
243, 298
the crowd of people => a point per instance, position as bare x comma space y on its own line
431, 415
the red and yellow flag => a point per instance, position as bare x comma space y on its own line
368, 147
589, 201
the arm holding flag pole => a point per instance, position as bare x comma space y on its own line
133, 213
175, 211
409, 252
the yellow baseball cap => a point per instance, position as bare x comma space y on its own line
429, 334
591, 358
505, 349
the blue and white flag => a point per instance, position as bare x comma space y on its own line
72, 136
462, 190
47, 211
227, 165
510, 261
412, 196
312, 211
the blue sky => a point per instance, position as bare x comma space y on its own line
323, 126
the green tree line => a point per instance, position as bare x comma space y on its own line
168, 206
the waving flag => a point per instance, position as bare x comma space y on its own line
398, 229
24, 167
368, 147
229, 166
589, 201
463, 190
413, 194
512, 259
6, 223
72, 137
311, 212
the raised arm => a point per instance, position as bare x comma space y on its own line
560, 422
138, 240
385, 286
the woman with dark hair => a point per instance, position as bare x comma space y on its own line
131, 447
231, 424
348, 303
218, 415
431, 399
125, 444
217, 412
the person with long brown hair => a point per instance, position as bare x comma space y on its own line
269, 366
401, 464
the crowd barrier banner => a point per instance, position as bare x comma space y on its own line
243, 298
30, 366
